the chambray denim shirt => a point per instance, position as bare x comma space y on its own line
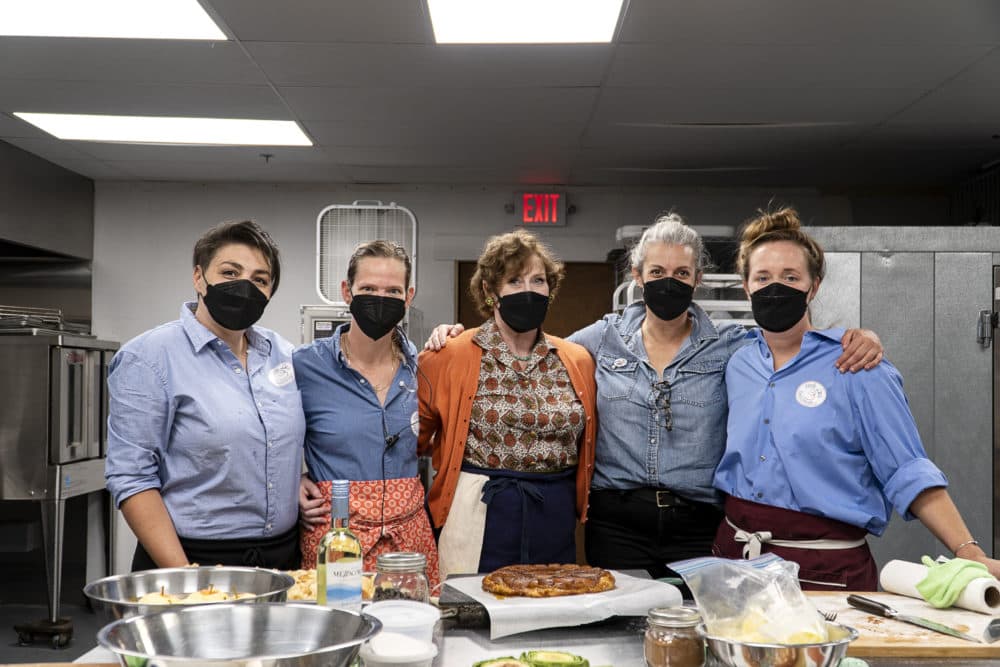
810, 438
222, 444
346, 426
634, 447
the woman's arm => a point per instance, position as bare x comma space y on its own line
936, 510
148, 518
862, 350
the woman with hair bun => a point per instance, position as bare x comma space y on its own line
816, 460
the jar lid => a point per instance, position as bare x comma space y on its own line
674, 617
401, 561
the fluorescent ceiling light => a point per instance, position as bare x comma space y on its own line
166, 130
524, 21
130, 19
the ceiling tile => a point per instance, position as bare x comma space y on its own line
514, 105
498, 154
137, 60
235, 155
97, 170
955, 104
788, 66
453, 175
756, 105
141, 99
430, 132
51, 149
492, 66
383, 21
228, 171
828, 22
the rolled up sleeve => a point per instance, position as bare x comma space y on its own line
138, 417
891, 441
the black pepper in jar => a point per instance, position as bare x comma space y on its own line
401, 576
672, 639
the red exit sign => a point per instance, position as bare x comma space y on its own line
541, 208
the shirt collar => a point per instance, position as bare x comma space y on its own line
200, 335
488, 337
702, 327
409, 354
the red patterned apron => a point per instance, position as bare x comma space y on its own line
404, 526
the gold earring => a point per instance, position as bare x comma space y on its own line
489, 301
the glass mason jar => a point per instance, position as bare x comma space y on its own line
401, 576
672, 639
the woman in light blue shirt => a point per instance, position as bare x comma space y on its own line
661, 404
816, 460
205, 423
359, 394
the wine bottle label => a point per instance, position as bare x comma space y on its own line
343, 584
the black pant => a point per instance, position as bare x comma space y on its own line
280, 552
628, 530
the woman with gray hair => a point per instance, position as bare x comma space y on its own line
661, 405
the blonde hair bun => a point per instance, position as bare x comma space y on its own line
781, 225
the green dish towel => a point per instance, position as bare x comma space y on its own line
946, 581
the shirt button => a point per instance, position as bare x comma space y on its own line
271, 486
652, 441
238, 370
259, 404
362, 380
767, 421
270, 444
763, 458
268, 526
771, 385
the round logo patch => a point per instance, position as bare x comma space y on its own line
415, 423
281, 374
810, 394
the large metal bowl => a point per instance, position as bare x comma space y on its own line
733, 653
115, 597
234, 635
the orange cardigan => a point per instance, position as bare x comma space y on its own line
448, 380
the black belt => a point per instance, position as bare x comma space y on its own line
662, 498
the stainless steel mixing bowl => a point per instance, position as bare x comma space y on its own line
748, 654
235, 635
115, 597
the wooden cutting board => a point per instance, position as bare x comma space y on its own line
884, 637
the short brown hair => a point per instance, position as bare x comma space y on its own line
780, 225
377, 248
507, 254
243, 232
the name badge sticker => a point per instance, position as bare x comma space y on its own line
810, 394
281, 374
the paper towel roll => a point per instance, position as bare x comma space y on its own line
902, 577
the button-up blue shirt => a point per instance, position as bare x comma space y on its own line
222, 444
346, 426
809, 438
634, 447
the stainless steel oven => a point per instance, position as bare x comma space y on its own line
52, 427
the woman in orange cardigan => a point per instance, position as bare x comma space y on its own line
507, 413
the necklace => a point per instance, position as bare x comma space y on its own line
525, 358
346, 349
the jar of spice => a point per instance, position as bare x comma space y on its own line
401, 576
672, 639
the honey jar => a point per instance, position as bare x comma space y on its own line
672, 639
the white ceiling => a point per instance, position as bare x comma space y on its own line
714, 92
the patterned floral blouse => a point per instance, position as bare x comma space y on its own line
522, 420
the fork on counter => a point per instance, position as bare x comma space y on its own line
829, 615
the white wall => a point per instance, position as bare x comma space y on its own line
144, 234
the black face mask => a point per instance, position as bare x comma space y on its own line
234, 304
524, 311
377, 315
667, 297
778, 307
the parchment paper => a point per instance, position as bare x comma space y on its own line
631, 597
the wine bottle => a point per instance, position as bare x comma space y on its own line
338, 558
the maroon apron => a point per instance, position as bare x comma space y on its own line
851, 569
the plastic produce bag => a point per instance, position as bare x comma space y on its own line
757, 600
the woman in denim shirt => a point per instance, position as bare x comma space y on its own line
661, 405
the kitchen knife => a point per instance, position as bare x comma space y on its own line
876, 607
